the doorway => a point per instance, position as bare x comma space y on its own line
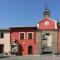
1, 48
30, 50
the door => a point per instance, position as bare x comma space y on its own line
30, 50
1, 48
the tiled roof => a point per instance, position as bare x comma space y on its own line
23, 28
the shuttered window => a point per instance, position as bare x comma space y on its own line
21, 36
29, 35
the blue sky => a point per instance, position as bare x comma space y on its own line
26, 12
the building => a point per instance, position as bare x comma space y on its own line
24, 40
42, 39
5, 41
48, 36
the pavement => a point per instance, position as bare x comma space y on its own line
34, 57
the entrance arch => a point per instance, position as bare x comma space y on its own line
47, 43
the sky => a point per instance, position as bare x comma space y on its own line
26, 13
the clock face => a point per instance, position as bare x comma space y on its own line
46, 23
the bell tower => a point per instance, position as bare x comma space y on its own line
46, 13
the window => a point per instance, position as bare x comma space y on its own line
29, 35
21, 36
1, 35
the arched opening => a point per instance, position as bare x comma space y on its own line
30, 50
47, 44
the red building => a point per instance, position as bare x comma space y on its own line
48, 32
48, 23
26, 38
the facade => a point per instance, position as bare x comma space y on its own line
25, 37
5, 41
48, 36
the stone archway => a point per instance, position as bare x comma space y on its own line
47, 44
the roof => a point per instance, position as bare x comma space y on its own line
4, 29
23, 28
49, 19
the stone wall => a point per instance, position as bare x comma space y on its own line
54, 39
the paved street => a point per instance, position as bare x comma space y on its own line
44, 57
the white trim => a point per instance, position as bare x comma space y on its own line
19, 35
52, 19
32, 35
55, 25
49, 18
